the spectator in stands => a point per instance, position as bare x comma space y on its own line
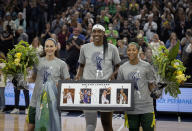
189, 15
124, 30
73, 23
9, 21
188, 62
63, 37
73, 49
56, 25
124, 8
142, 17
88, 33
185, 42
78, 32
33, 12
116, 24
131, 28
122, 48
180, 22
85, 9
91, 10
125, 41
112, 8
136, 28
99, 5
54, 36
172, 42
148, 56
167, 25
47, 33
112, 34
42, 17
116, 1
22, 35
155, 43
64, 17
170, 6
7, 40
187, 39
142, 42
150, 27
155, 11
107, 12
133, 8
37, 45
20, 21
87, 20
119, 14
104, 19
77, 17
79, 26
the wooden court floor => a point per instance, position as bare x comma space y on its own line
16, 122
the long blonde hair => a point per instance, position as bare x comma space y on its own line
39, 43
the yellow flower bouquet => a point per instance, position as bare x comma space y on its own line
169, 69
18, 61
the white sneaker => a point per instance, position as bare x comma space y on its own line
15, 111
1, 111
26, 111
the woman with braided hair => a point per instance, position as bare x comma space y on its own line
98, 60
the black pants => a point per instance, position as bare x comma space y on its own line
106, 120
17, 94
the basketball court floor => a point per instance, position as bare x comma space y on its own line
76, 122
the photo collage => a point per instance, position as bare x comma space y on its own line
104, 96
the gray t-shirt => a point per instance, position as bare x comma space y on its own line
92, 57
58, 70
141, 74
123, 52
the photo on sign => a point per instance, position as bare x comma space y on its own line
101, 95
85, 96
105, 95
122, 96
68, 96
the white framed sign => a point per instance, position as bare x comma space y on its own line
95, 95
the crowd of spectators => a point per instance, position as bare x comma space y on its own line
147, 22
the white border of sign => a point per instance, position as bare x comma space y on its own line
95, 89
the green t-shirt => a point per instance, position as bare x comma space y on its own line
114, 40
112, 10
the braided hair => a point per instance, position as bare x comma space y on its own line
105, 46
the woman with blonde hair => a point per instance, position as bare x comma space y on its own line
37, 45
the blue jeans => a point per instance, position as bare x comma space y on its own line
2, 97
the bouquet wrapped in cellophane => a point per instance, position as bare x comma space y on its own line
169, 69
19, 60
